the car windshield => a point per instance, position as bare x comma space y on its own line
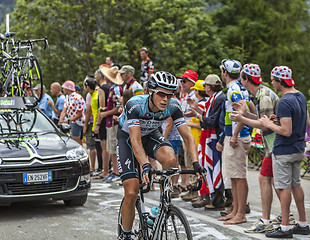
23, 121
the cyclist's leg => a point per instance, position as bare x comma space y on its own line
160, 148
166, 157
131, 188
127, 168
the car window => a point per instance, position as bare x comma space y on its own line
24, 121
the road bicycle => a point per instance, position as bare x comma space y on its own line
171, 223
20, 72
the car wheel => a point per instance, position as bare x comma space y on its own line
78, 201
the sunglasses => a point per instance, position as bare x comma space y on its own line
184, 81
163, 94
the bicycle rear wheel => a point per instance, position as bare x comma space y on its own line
175, 226
137, 232
31, 76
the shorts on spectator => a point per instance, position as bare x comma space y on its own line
111, 139
176, 145
286, 170
266, 168
90, 143
188, 161
76, 130
236, 158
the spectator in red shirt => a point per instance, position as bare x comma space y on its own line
114, 80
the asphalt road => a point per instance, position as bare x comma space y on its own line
97, 219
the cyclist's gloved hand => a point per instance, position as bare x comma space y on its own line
147, 168
198, 169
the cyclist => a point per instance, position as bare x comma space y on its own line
139, 136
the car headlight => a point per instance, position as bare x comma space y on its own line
77, 153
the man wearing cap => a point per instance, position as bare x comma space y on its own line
58, 107
126, 74
147, 65
188, 80
74, 110
237, 143
209, 122
115, 92
288, 150
266, 103
43, 105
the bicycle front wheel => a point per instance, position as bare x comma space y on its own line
137, 232
175, 226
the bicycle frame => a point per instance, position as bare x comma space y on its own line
16, 73
164, 205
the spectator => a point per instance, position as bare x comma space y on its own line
127, 72
74, 110
189, 78
115, 92
109, 61
87, 132
27, 89
43, 104
266, 103
58, 107
212, 196
90, 85
147, 66
78, 89
237, 143
103, 95
288, 150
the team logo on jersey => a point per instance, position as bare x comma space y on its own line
161, 116
128, 161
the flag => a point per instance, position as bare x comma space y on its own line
208, 156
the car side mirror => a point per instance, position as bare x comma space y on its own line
65, 127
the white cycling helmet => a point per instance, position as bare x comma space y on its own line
163, 79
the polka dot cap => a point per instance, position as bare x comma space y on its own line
254, 71
285, 73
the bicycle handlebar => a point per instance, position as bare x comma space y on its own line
170, 172
31, 41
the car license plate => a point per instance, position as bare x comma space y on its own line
37, 177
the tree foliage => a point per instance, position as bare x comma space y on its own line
268, 33
180, 34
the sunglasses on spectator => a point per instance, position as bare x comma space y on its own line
184, 81
163, 94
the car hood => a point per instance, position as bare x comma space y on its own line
41, 145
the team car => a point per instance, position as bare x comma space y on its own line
38, 160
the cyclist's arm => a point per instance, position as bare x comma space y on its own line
136, 144
168, 127
189, 141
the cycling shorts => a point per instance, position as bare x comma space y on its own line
127, 163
